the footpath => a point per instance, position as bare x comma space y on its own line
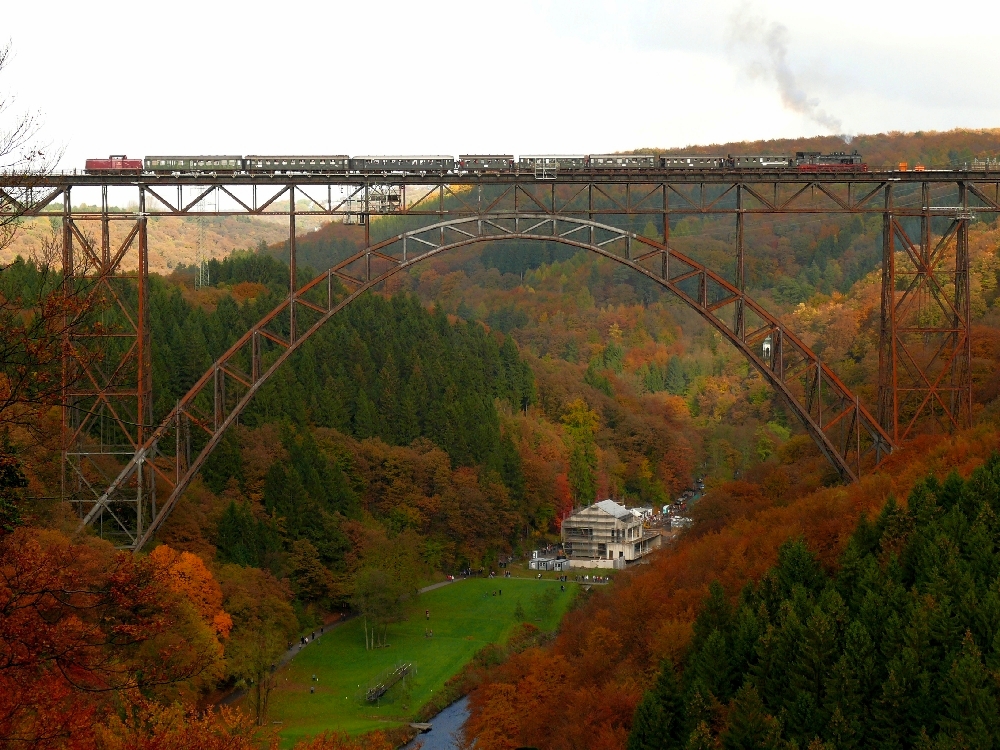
305, 640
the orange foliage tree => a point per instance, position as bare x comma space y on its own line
146, 725
79, 624
186, 574
341, 741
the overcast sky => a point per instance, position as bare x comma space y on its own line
564, 76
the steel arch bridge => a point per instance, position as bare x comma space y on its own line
844, 430
107, 415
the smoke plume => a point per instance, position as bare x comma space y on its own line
761, 49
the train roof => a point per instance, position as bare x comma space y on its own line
297, 156
195, 156
405, 157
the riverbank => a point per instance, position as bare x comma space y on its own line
446, 728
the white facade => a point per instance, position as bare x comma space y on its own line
548, 563
606, 535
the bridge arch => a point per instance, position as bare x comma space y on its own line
844, 430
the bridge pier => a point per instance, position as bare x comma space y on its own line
925, 374
924, 318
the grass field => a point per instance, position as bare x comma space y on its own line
464, 618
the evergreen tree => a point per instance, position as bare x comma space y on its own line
701, 738
510, 468
750, 727
711, 666
658, 723
581, 424
223, 463
971, 714
243, 539
675, 381
366, 418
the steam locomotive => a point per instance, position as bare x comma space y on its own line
539, 166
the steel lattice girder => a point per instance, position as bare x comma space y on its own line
582, 198
925, 339
844, 430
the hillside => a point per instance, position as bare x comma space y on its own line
584, 689
454, 418
928, 148
173, 242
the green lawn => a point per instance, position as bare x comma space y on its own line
464, 617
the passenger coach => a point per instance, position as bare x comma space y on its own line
194, 164
403, 164
297, 163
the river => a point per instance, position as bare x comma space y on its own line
445, 725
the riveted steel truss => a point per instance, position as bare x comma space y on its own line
107, 387
846, 433
925, 336
924, 373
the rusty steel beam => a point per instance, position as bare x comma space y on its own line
925, 334
810, 388
916, 383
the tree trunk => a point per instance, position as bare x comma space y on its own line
258, 686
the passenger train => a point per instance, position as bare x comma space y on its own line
539, 166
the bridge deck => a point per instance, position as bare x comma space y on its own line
645, 176
651, 192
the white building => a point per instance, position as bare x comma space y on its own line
606, 535
548, 563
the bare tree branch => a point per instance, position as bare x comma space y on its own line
40, 310
22, 155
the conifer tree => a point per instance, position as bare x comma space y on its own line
658, 723
581, 424
701, 738
366, 421
750, 727
970, 708
674, 381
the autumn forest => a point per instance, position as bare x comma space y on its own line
449, 422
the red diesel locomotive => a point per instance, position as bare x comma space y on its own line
114, 165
